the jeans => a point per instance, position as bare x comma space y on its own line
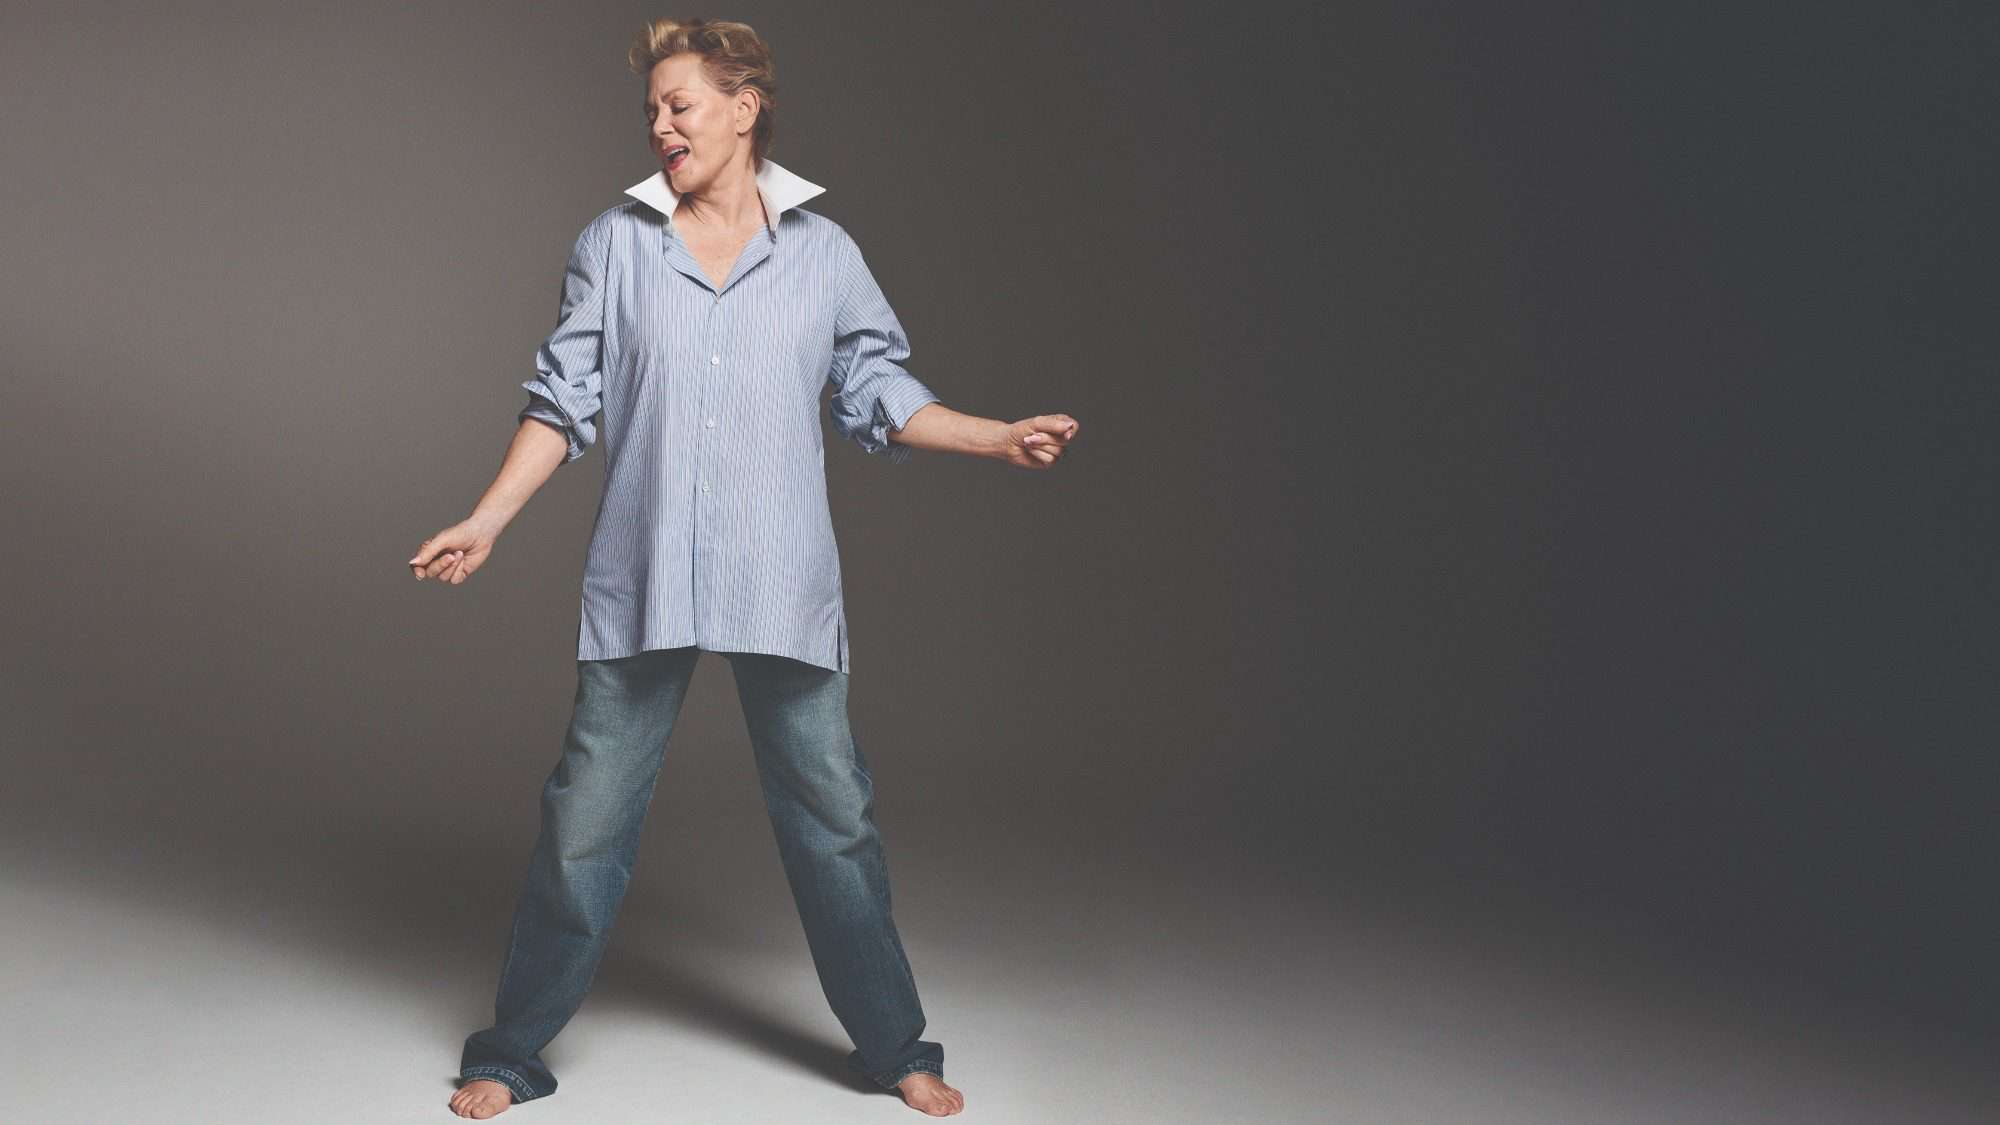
820, 797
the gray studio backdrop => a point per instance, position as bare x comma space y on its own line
1530, 465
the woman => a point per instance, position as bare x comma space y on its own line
699, 324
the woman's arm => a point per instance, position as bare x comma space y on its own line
1032, 443
873, 388
537, 450
558, 423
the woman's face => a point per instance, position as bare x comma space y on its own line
695, 129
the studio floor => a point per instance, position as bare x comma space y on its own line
228, 975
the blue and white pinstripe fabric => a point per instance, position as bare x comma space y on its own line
714, 528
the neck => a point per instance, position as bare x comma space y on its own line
731, 201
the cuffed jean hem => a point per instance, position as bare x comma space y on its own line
514, 1082
915, 1066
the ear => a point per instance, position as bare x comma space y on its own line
748, 105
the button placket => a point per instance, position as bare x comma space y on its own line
707, 456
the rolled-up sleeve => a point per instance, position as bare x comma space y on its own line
567, 389
873, 392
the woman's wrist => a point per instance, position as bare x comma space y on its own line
488, 523
992, 439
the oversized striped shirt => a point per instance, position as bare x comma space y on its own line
714, 528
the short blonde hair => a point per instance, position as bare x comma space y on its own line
734, 57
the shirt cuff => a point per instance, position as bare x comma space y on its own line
544, 409
893, 407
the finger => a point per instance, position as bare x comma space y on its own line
1044, 456
431, 559
1051, 439
463, 570
1042, 441
425, 552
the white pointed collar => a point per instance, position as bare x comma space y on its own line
781, 190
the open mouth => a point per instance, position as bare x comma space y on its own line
676, 155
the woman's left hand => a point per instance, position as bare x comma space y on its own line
1037, 443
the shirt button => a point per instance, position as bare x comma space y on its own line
704, 486
714, 359
710, 423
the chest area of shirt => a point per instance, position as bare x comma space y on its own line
773, 312
717, 252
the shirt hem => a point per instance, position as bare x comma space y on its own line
720, 647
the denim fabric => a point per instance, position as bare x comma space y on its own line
820, 797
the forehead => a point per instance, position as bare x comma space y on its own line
677, 72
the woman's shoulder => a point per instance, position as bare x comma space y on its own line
818, 226
829, 239
603, 236
628, 215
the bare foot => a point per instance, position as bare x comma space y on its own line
928, 1093
481, 1097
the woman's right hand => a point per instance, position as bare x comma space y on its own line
453, 553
